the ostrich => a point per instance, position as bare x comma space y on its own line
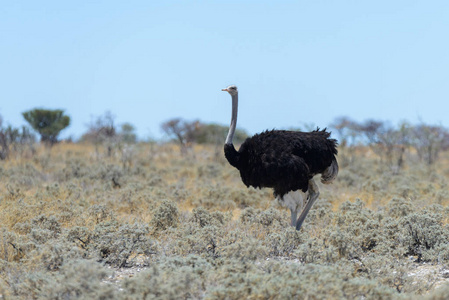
285, 161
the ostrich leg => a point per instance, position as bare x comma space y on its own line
294, 216
297, 199
313, 195
294, 200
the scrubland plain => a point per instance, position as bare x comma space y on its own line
148, 223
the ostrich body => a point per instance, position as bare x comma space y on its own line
284, 160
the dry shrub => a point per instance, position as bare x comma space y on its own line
172, 278
165, 216
284, 243
399, 207
78, 279
204, 218
244, 250
423, 232
115, 244
267, 218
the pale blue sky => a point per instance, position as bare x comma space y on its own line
295, 62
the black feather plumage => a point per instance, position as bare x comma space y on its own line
283, 160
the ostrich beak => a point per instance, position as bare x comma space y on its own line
224, 90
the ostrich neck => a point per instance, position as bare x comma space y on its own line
235, 104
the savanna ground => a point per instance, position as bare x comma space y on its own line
147, 222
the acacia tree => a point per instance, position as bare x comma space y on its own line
215, 134
348, 133
103, 131
128, 134
183, 131
347, 130
48, 123
387, 141
15, 140
187, 132
429, 141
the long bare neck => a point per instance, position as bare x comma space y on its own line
235, 104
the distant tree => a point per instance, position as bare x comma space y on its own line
127, 133
182, 131
395, 142
387, 141
372, 130
4, 145
348, 131
48, 123
216, 134
102, 131
187, 132
429, 141
15, 140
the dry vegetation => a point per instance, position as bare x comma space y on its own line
148, 223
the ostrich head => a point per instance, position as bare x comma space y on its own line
232, 89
